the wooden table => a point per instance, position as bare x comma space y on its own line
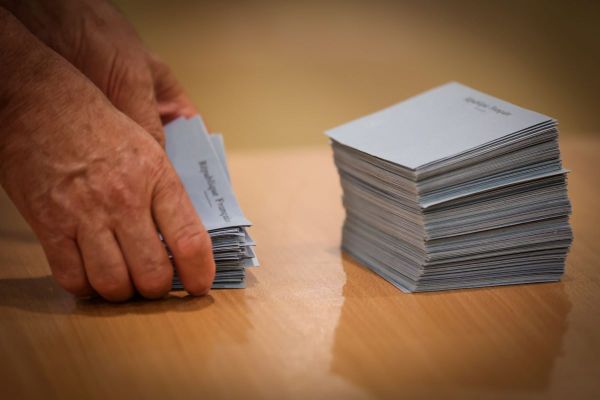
312, 323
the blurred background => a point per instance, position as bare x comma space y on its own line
278, 73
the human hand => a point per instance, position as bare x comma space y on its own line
98, 40
92, 184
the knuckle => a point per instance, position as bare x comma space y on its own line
121, 193
128, 71
138, 73
125, 197
156, 166
168, 184
51, 214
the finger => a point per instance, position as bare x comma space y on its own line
184, 233
104, 264
146, 257
172, 101
170, 110
67, 267
134, 96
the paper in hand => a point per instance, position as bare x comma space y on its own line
200, 162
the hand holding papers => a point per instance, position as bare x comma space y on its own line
452, 189
200, 162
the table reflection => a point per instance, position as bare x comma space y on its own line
503, 338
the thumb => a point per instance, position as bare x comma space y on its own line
134, 96
172, 100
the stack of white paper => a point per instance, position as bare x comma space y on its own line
199, 159
452, 189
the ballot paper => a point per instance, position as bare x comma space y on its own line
200, 162
454, 188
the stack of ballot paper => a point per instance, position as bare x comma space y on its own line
452, 189
199, 159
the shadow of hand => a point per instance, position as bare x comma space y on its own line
43, 295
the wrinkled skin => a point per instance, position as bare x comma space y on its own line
85, 167
94, 37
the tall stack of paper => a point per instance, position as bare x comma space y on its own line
199, 159
453, 189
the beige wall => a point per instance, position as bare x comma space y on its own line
278, 73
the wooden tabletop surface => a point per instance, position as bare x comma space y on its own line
312, 323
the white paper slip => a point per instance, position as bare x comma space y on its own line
454, 189
434, 125
219, 147
216, 139
200, 161
189, 148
